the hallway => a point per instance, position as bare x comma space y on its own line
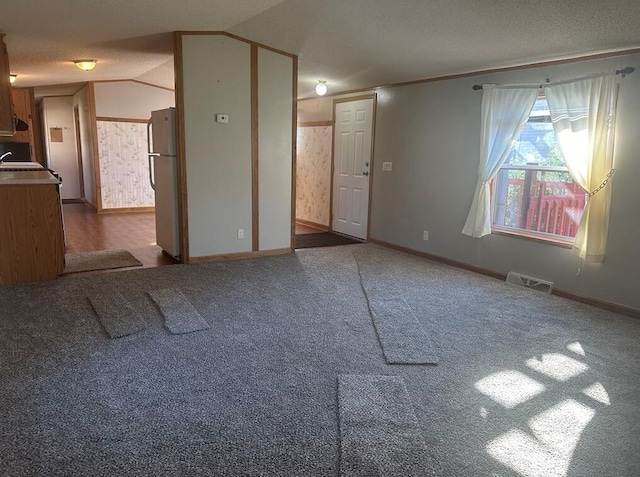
86, 231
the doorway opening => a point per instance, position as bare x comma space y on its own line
95, 138
333, 171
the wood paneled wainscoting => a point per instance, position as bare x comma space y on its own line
86, 231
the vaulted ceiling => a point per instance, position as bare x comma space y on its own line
351, 44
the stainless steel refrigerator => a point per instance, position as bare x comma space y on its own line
163, 174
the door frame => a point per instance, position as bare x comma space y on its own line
374, 97
76, 122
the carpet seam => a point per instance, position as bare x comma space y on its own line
366, 297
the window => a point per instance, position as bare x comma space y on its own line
533, 191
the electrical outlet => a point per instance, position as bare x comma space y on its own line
386, 166
425, 235
240, 234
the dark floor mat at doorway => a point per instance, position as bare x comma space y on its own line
324, 239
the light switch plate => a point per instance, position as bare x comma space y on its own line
386, 166
222, 118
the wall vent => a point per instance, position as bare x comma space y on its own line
529, 282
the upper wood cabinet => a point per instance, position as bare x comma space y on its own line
22, 110
6, 102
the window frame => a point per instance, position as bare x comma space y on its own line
552, 239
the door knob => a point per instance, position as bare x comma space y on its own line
365, 173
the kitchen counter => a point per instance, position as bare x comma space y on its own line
20, 165
31, 235
32, 177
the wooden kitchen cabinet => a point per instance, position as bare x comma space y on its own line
22, 110
31, 234
6, 101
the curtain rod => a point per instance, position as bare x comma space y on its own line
624, 71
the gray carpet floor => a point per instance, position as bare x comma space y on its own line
379, 431
179, 314
403, 338
527, 384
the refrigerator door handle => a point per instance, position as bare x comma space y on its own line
150, 156
149, 123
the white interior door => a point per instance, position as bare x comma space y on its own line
351, 165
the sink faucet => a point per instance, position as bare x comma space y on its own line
5, 155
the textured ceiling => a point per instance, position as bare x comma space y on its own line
350, 43
130, 39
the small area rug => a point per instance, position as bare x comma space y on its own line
99, 260
324, 239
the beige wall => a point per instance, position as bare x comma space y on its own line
131, 100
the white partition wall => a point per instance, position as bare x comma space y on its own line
274, 164
217, 80
233, 181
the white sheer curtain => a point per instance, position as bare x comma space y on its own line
505, 111
583, 115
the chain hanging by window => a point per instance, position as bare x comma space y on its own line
602, 185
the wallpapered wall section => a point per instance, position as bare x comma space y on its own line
124, 169
313, 174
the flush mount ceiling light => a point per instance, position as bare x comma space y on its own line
12, 78
85, 65
321, 88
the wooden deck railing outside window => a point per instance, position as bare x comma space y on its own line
539, 199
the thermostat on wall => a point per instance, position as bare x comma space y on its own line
222, 118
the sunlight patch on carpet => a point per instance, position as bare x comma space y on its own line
548, 452
557, 366
509, 388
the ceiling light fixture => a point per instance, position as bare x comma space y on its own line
321, 88
12, 78
85, 65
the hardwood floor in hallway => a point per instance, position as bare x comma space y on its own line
86, 231
302, 229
